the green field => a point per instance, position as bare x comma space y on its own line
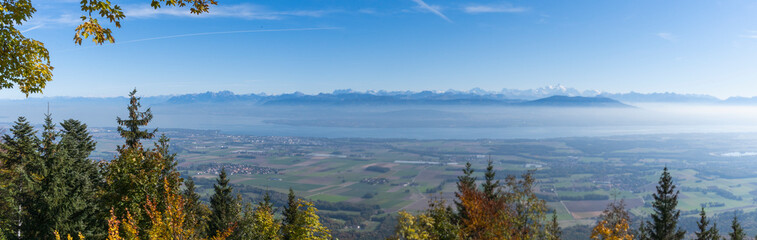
404, 174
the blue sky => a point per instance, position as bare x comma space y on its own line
276, 46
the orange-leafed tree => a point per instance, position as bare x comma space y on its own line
606, 231
613, 223
486, 218
496, 211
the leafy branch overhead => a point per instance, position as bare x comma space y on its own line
25, 62
113, 13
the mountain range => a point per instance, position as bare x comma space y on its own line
557, 95
347, 97
477, 96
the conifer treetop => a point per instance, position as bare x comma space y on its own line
130, 128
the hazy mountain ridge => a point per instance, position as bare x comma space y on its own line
567, 101
475, 96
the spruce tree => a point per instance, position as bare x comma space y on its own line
714, 233
466, 181
23, 165
703, 232
167, 161
642, 233
196, 213
21, 146
49, 210
130, 128
553, 229
266, 203
49, 146
706, 232
87, 213
223, 205
490, 186
76, 140
737, 233
138, 173
665, 216
292, 217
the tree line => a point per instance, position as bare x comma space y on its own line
663, 222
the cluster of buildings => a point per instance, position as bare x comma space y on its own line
238, 169
374, 181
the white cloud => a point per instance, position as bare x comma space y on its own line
667, 36
504, 8
432, 9
45, 22
367, 11
230, 32
244, 11
750, 35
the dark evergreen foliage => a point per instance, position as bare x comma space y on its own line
147, 168
714, 233
704, 230
553, 228
665, 216
130, 128
737, 232
292, 215
490, 186
223, 205
466, 181
23, 167
197, 212
642, 233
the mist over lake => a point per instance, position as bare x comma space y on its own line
406, 121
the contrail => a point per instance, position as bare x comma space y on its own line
32, 28
212, 33
431, 9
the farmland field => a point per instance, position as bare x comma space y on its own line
368, 179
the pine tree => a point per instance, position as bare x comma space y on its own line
130, 128
292, 217
665, 216
737, 233
490, 186
704, 232
223, 205
466, 182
